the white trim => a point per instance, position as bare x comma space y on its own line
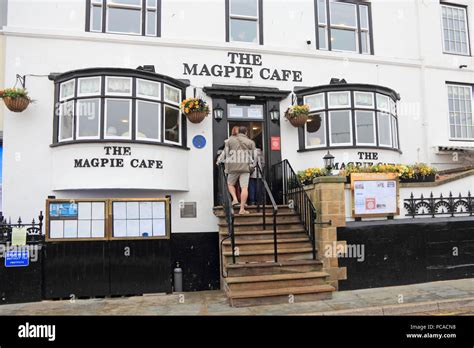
79, 94
323, 123
331, 143
330, 106
372, 107
129, 119
315, 95
78, 137
170, 101
124, 7
61, 98
390, 146
107, 78
137, 120
387, 110
179, 126
148, 96
60, 121
373, 128
466, 30
239, 15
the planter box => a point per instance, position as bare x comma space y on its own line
417, 178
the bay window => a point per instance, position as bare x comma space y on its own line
460, 102
349, 115
133, 17
119, 105
455, 29
343, 26
244, 21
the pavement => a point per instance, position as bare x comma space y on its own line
452, 297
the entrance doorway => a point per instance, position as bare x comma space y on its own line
248, 106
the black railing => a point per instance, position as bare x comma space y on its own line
267, 196
228, 211
439, 206
290, 191
34, 230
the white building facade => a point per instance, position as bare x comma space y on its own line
401, 91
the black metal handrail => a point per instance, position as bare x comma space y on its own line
266, 194
291, 192
228, 209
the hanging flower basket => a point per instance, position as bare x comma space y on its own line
297, 115
196, 110
197, 116
15, 99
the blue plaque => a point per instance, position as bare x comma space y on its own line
199, 142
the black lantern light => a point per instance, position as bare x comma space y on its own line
328, 162
218, 113
275, 114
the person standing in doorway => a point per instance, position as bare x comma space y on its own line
238, 157
255, 176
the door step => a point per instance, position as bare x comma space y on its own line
266, 268
280, 295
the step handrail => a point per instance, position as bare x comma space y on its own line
293, 194
266, 192
228, 210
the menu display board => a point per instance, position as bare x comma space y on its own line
374, 195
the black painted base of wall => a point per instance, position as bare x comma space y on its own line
21, 284
198, 256
401, 252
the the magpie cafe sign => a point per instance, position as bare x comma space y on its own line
243, 66
117, 157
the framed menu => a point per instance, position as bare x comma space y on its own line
375, 195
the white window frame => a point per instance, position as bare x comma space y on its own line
466, 30
344, 27
138, 119
61, 121
148, 96
96, 3
122, 94
148, 9
255, 19
451, 136
80, 80
323, 25
324, 126
365, 30
332, 144
389, 131
361, 106
305, 98
395, 140
331, 106
387, 110
61, 98
129, 119
373, 128
170, 101
78, 137
112, 4
179, 123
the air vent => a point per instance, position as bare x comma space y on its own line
188, 210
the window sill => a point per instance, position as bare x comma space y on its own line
350, 147
121, 141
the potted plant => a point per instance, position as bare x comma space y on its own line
297, 115
195, 109
16, 99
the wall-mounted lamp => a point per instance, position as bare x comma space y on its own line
218, 113
328, 162
464, 66
275, 114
